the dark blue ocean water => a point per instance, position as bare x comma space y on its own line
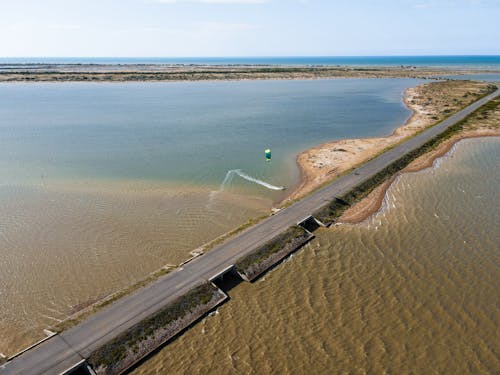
470, 62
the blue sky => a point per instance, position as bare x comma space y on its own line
248, 27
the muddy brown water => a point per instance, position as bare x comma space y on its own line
64, 249
414, 289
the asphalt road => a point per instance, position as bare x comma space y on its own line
68, 348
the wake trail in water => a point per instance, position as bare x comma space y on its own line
227, 180
230, 175
257, 181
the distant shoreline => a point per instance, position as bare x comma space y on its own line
44, 72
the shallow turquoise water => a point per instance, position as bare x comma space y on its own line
185, 133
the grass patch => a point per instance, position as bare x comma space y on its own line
117, 349
271, 247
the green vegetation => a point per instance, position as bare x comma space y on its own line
334, 210
117, 349
483, 113
133, 72
276, 244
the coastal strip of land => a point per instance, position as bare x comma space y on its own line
165, 72
81, 342
430, 103
483, 123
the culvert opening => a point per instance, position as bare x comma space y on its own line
227, 281
310, 224
81, 369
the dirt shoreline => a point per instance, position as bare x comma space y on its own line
310, 178
373, 202
429, 103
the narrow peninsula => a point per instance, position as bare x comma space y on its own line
430, 103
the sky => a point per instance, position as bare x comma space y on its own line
187, 28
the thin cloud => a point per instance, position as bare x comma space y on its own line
223, 26
447, 4
196, 29
63, 27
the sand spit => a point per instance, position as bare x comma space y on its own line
430, 102
483, 123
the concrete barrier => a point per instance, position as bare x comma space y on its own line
221, 274
310, 224
80, 368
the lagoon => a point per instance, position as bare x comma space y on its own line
101, 184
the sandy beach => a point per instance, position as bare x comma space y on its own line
430, 103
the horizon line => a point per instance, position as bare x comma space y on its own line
258, 56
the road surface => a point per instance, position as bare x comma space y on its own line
62, 351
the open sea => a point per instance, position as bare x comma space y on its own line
462, 61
